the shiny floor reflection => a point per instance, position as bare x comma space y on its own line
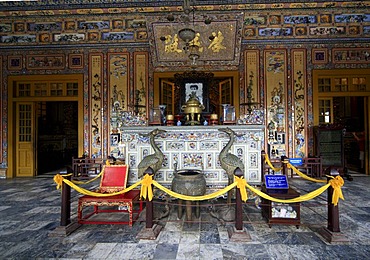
30, 212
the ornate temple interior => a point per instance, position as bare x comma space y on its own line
78, 77
223, 129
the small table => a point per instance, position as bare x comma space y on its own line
281, 213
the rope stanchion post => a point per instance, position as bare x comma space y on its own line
151, 231
263, 164
65, 218
332, 232
66, 225
149, 203
239, 233
333, 211
284, 161
238, 203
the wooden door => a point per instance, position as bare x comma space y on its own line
168, 96
226, 93
25, 139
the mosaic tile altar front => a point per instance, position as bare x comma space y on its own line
197, 148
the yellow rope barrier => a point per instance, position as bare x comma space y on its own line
146, 187
290, 166
59, 179
89, 181
194, 198
241, 184
337, 184
93, 179
146, 191
301, 198
267, 160
304, 176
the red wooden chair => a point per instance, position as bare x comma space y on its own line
113, 179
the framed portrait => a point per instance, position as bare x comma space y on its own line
319, 56
196, 88
114, 139
193, 81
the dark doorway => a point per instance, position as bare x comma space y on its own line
57, 135
350, 112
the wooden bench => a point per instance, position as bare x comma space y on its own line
113, 179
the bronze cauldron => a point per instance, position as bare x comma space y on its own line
193, 109
189, 182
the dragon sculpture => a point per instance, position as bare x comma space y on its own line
154, 160
229, 162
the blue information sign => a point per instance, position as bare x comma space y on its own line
276, 182
296, 161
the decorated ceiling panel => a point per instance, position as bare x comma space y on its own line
132, 25
86, 7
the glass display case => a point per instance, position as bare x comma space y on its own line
228, 114
281, 213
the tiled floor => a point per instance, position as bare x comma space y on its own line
30, 213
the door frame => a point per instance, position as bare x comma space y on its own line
12, 102
330, 94
26, 148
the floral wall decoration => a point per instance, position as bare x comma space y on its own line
299, 104
15, 62
75, 61
345, 55
319, 56
140, 83
42, 62
276, 117
96, 105
252, 77
118, 98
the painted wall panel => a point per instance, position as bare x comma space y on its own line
299, 101
96, 106
275, 64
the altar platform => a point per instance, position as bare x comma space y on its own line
197, 147
30, 212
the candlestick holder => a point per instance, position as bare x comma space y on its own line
213, 119
170, 120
